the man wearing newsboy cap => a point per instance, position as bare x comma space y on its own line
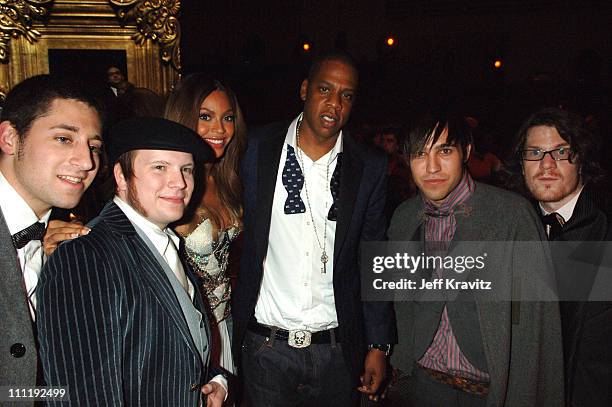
121, 321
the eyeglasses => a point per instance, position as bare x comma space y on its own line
558, 154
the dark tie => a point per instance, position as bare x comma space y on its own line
334, 187
293, 181
32, 232
555, 221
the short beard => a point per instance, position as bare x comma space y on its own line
554, 196
132, 196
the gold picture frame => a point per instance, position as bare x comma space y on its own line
146, 30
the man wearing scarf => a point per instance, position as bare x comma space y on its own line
467, 351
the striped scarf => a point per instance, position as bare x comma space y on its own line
440, 222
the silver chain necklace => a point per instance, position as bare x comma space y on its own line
324, 257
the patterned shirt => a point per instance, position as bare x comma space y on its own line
444, 354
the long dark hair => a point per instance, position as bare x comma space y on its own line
183, 106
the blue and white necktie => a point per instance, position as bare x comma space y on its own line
334, 187
293, 181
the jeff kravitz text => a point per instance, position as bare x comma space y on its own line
435, 284
403, 262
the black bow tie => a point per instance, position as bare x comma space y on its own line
32, 232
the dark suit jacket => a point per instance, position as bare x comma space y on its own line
110, 325
587, 326
21, 369
360, 217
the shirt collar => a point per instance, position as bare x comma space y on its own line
290, 139
567, 210
158, 237
17, 213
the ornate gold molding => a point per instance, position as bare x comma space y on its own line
147, 31
156, 20
16, 17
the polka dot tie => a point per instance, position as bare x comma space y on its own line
293, 181
334, 187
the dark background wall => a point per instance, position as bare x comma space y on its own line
555, 52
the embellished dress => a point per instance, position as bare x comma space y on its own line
209, 260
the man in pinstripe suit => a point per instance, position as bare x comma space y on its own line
121, 320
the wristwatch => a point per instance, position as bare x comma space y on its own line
383, 348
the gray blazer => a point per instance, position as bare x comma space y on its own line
111, 325
519, 344
18, 356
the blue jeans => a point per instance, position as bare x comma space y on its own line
277, 375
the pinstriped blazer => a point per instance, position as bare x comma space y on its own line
109, 324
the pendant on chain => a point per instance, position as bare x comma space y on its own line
324, 260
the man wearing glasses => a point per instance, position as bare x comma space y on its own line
560, 170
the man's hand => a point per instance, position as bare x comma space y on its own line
215, 394
58, 231
374, 373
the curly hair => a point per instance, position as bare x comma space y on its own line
571, 128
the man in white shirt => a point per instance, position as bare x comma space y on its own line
558, 158
116, 81
312, 195
120, 315
50, 137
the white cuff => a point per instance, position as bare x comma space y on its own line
222, 382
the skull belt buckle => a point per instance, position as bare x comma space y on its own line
299, 339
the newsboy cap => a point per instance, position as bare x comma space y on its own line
154, 133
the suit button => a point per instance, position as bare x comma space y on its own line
194, 387
18, 350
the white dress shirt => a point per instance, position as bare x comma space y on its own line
566, 211
159, 238
295, 294
18, 216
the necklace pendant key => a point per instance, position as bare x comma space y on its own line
324, 260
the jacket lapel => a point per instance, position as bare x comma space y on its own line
350, 180
12, 287
149, 269
587, 221
268, 160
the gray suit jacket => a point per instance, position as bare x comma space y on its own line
111, 324
519, 344
17, 333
